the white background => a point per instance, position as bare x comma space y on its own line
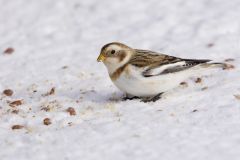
48, 35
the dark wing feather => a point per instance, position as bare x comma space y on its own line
188, 64
144, 58
158, 64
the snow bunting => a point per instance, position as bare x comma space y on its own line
147, 74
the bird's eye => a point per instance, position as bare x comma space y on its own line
113, 51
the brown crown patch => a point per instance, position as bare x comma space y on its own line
113, 43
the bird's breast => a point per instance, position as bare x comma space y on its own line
132, 82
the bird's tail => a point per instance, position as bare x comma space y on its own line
224, 66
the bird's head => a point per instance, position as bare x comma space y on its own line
115, 55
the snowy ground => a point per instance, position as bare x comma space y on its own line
56, 44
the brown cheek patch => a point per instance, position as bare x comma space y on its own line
122, 56
117, 73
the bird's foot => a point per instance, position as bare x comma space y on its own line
152, 99
129, 98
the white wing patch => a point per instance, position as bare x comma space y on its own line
168, 68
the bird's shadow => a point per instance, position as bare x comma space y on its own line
91, 95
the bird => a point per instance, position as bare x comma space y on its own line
147, 74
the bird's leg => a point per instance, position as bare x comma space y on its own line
130, 97
152, 99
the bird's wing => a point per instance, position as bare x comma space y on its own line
158, 64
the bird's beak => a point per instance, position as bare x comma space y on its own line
101, 58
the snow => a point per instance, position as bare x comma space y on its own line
56, 44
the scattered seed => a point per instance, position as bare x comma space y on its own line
209, 45
228, 67
204, 88
71, 111
15, 111
47, 121
47, 109
172, 114
17, 127
64, 67
229, 60
16, 103
195, 110
198, 80
51, 92
8, 92
9, 50
237, 96
184, 84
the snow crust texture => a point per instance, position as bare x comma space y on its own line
58, 103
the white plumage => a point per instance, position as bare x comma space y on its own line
133, 83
